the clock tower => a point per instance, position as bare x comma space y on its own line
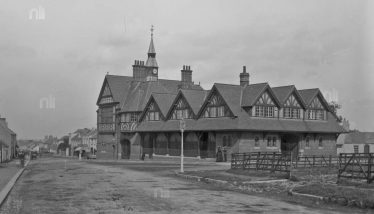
151, 64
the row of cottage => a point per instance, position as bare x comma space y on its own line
8, 142
83, 140
140, 114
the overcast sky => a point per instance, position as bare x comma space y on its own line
66, 54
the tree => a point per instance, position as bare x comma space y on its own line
64, 145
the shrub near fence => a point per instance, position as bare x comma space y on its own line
356, 166
278, 161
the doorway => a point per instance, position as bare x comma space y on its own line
126, 149
290, 145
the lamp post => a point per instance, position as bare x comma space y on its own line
182, 127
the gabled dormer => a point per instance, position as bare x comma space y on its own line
316, 105
292, 104
215, 106
151, 111
180, 109
260, 101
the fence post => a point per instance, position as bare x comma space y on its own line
290, 174
314, 160
330, 157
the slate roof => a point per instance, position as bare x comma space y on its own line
164, 101
195, 98
118, 86
356, 138
140, 92
308, 95
283, 92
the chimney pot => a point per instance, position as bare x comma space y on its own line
244, 69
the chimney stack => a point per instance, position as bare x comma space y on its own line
186, 74
244, 77
138, 70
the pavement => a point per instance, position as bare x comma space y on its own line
70, 186
7, 171
9, 174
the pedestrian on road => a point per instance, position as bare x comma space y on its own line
224, 154
219, 155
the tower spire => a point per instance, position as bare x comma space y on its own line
151, 61
151, 49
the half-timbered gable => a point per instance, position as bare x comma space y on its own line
106, 96
151, 112
316, 105
315, 110
215, 106
181, 109
265, 106
292, 108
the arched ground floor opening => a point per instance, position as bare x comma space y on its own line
290, 144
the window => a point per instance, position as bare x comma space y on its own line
320, 142
152, 112
220, 111
355, 148
229, 141
134, 117
224, 141
216, 107
269, 142
316, 110
107, 115
274, 142
181, 110
257, 143
307, 142
264, 111
291, 113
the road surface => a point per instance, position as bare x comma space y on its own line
55, 185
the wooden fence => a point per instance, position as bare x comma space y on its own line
356, 166
278, 161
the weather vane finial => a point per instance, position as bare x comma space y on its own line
152, 29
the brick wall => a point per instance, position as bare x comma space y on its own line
105, 144
328, 145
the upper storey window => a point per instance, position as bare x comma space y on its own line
129, 117
216, 107
181, 110
265, 106
107, 115
316, 111
153, 113
292, 108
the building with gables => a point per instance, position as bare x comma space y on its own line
140, 114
